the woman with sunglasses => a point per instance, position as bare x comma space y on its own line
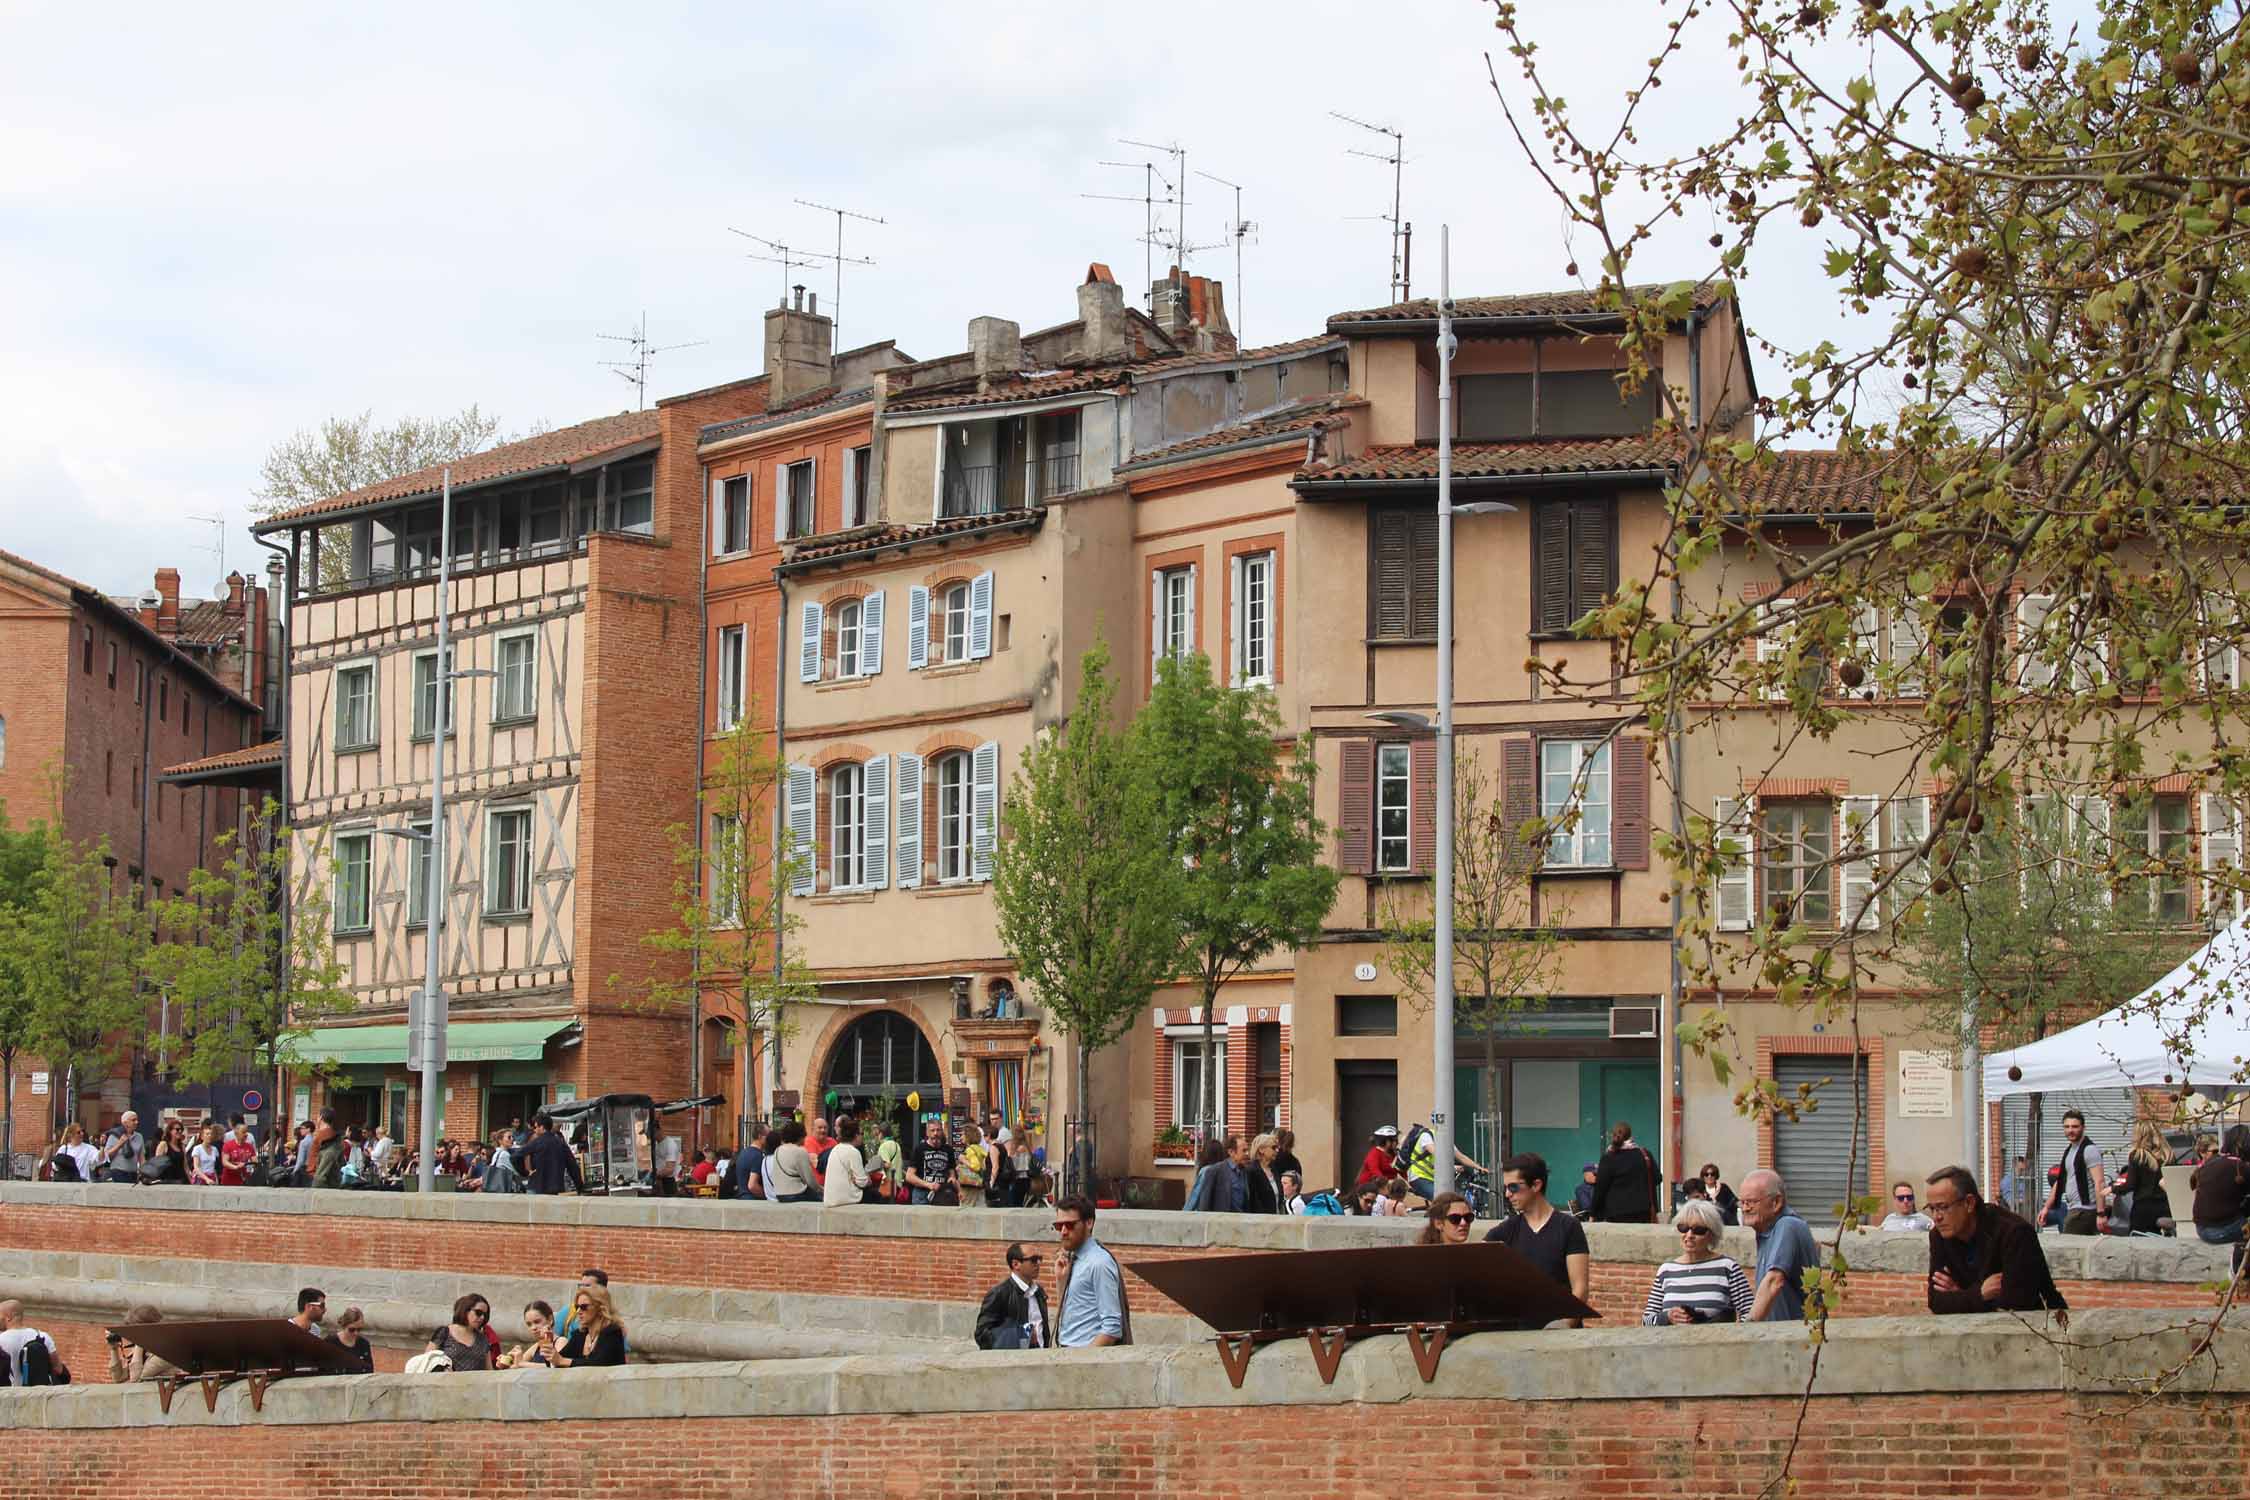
599, 1339
1716, 1189
1449, 1221
1701, 1285
464, 1343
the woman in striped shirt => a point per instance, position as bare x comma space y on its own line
1702, 1286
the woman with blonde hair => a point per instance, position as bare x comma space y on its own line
1261, 1181
2144, 1178
1701, 1285
599, 1339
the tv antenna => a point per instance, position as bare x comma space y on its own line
1402, 276
1150, 177
634, 371
218, 524
1237, 231
836, 306
1178, 153
788, 257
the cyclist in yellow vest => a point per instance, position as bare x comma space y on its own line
1421, 1162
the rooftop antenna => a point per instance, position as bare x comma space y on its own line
1149, 239
1178, 153
634, 371
1401, 276
1237, 231
788, 257
836, 305
219, 545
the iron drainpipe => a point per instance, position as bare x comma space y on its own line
1677, 752
278, 671
780, 826
702, 725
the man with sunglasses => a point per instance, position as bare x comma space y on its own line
1014, 1314
1984, 1258
1902, 1219
1552, 1240
1093, 1285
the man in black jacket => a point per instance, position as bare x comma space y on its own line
1982, 1257
549, 1162
1014, 1314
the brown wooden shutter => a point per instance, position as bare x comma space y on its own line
1424, 583
1355, 813
1593, 555
1422, 826
1391, 604
1519, 793
1550, 566
1628, 784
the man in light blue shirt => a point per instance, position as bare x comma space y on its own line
1093, 1285
1785, 1249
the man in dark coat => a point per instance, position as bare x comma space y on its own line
549, 1162
1982, 1257
1014, 1314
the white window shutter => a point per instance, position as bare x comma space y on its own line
1772, 647
917, 628
851, 487
1237, 614
780, 503
1189, 623
2091, 838
906, 802
1738, 881
2089, 651
1910, 824
2034, 672
801, 784
980, 617
875, 821
2222, 860
1156, 582
984, 807
1867, 648
717, 535
1863, 835
871, 635
2222, 648
1910, 653
808, 642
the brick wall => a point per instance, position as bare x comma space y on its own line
2004, 1444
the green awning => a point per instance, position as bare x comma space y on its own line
465, 1042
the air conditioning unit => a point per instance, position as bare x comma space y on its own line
1631, 1022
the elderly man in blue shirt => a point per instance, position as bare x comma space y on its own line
1093, 1284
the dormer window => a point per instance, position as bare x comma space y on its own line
1553, 404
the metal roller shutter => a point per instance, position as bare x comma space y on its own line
1814, 1153
2109, 1125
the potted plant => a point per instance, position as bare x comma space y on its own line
1174, 1145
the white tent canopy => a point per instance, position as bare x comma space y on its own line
2203, 1006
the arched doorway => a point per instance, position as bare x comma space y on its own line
880, 1059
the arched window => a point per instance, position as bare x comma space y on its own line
955, 815
847, 842
953, 621
847, 639
884, 1053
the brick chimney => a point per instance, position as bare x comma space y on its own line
800, 348
1101, 308
1192, 310
995, 349
235, 582
168, 612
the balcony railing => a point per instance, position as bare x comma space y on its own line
971, 491
1057, 474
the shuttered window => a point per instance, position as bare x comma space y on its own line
1574, 561
1403, 570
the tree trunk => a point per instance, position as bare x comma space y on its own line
8, 1115
1207, 1107
1081, 1154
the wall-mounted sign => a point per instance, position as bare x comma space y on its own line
1925, 1085
252, 1099
1364, 972
39, 1083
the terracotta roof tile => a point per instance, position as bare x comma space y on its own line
1575, 302
248, 758
565, 445
1095, 377
811, 404
1419, 461
891, 535
1309, 416
1817, 481
206, 622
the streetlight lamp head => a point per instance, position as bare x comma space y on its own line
1484, 508
1419, 723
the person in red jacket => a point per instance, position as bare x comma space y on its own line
1382, 1156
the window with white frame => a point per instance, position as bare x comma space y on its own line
858, 461
734, 514
952, 625
732, 673
2163, 827
1574, 779
848, 643
426, 696
800, 482
726, 850
515, 695
956, 825
632, 497
507, 862
355, 706
1797, 845
352, 861
1188, 1074
1394, 846
1173, 610
1253, 619
847, 828
418, 872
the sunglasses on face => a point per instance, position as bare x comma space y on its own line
583, 1307
1064, 1226
1460, 1218
1902, 1197
1701, 1229
1513, 1188
1032, 1260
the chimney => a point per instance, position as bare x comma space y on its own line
168, 612
1192, 312
995, 348
147, 606
1101, 308
799, 346
235, 582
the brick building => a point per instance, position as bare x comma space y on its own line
97, 699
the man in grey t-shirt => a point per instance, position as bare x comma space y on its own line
1785, 1249
123, 1150
2082, 1191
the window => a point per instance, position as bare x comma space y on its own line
1253, 619
1553, 403
734, 514
857, 462
847, 837
113, 666
1172, 613
1188, 1074
1402, 589
732, 670
2161, 825
956, 827
426, 696
1393, 777
140, 680
1367, 1015
163, 699
187, 702
848, 639
515, 695
418, 873
1058, 463
726, 871
507, 862
355, 707
86, 650
1574, 561
800, 481
953, 623
1797, 842
632, 497
351, 863
1574, 777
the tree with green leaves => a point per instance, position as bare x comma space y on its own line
1239, 820
735, 931
77, 947
24, 862
246, 979
1087, 889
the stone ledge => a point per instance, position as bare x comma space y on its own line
2111, 1351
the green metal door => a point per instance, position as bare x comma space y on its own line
1628, 1092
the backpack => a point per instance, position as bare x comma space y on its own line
38, 1364
1323, 1203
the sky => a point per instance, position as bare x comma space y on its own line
220, 226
